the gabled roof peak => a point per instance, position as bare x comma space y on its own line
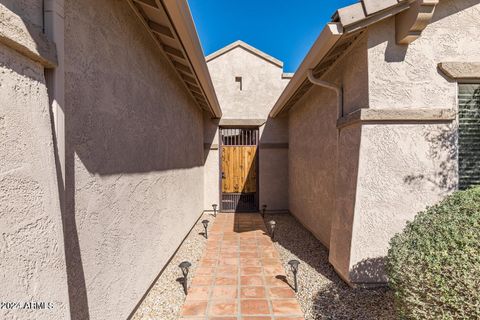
249, 48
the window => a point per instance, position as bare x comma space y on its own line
238, 80
469, 135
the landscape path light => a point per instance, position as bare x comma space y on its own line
272, 229
214, 209
185, 267
264, 209
294, 267
205, 225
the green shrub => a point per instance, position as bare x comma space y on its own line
434, 264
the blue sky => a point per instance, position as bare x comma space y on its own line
277, 27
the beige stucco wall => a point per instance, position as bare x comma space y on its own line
263, 82
407, 76
134, 163
32, 265
402, 169
405, 167
383, 172
29, 10
314, 142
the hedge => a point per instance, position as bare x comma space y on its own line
434, 264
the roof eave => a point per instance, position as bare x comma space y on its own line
177, 37
183, 22
246, 46
329, 36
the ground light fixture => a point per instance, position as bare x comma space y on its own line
205, 225
185, 266
264, 209
214, 206
272, 229
294, 267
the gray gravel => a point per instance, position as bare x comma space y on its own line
322, 294
165, 299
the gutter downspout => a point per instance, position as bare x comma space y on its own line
338, 90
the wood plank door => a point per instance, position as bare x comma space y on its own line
239, 170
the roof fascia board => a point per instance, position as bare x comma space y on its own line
329, 36
379, 16
182, 21
247, 47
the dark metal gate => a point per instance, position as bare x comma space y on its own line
239, 169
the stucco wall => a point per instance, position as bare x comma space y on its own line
29, 10
385, 172
134, 163
31, 237
262, 84
407, 76
405, 167
402, 169
314, 143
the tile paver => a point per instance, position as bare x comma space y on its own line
240, 275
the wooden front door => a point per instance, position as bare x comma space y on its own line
239, 170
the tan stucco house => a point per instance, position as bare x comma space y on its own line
379, 123
116, 134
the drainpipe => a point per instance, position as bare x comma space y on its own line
54, 28
338, 90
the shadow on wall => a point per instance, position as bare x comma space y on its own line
133, 138
113, 128
442, 141
369, 269
449, 7
76, 287
397, 53
275, 130
273, 164
210, 129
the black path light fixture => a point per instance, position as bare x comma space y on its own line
294, 267
185, 267
205, 225
272, 229
264, 209
214, 206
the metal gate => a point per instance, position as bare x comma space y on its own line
239, 169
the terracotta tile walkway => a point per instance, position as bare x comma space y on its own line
240, 275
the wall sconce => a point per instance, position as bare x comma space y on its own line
185, 266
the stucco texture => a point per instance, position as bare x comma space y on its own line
262, 84
414, 167
30, 10
314, 143
358, 185
31, 240
407, 76
134, 159
405, 167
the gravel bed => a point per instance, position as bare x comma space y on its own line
322, 294
166, 297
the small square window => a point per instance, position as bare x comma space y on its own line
239, 81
